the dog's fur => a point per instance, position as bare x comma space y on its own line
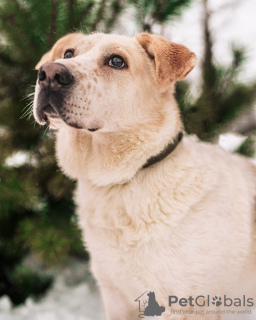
184, 226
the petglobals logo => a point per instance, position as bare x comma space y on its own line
207, 301
203, 304
148, 305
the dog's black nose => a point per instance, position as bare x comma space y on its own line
55, 75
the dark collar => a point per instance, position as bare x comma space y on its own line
169, 148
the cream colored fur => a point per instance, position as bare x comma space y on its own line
186, 225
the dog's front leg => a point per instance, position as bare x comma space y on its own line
116, 305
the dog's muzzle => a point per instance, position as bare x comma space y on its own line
54, 80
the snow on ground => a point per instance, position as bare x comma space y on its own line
74, 296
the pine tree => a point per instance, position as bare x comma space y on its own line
222, 97
150, 12
36, 207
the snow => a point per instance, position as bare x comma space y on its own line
74, 296
71, 298
231, 142
19, 159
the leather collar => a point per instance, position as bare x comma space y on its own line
165, 152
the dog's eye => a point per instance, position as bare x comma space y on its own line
69, 54
117, 62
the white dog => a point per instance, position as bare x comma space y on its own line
158, 212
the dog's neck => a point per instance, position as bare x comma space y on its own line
165, 152
114, 158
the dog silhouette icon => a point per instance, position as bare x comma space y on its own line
153, 308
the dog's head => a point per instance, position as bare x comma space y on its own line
111, 99
106, 82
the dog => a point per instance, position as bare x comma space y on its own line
159, 211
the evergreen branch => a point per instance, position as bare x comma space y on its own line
19, 31
71, 13
163, 10
208, 71
240, 98
99, 15
86, 11
53, 23
7, 60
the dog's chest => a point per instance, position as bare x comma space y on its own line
117, 223
124, 226
120, 218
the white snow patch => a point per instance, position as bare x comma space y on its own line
231, 142
63, 302
20, 158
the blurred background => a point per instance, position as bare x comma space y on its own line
43, 264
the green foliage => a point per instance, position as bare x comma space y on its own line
53, 239
223, 98
249, 146
23, 282
14, 192
149, 12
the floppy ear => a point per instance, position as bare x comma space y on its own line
172, 61
59, 48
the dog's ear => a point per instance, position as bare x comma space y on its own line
59, 48
172, 61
